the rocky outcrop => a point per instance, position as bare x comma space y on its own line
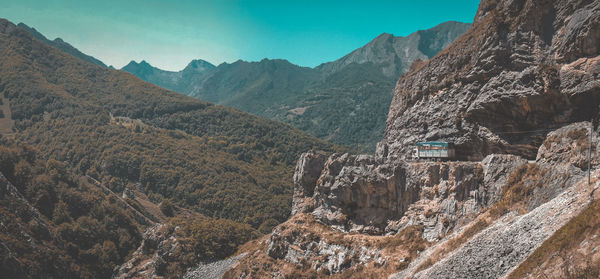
523, 69
308, 170
152, 257
365, 194
467, 216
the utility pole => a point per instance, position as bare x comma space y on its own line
590, 153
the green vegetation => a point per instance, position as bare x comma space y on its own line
348, 107
221, 162
216, 161
79, 231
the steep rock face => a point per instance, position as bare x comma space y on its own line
364, 194
524, 68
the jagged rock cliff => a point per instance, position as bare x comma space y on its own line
524, 68
367, 195
519, 82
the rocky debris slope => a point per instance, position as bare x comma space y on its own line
497, 250
524, 68
214, 270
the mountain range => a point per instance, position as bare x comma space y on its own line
343, 101
105, 175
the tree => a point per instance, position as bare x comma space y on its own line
167, 208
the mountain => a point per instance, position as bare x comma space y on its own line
180, 81
395, 54
512, 93
220, 175
344, 101
62, 45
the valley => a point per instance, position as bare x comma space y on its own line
343, 101
268, 169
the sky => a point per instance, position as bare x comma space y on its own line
169, 34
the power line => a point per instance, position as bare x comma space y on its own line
540, 130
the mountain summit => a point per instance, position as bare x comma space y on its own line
395, 54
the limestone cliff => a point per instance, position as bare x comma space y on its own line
511, 93
523, 69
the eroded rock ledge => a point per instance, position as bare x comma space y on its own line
371, 195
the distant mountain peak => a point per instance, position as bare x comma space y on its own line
397, 53
198, 65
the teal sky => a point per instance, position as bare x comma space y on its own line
168, 34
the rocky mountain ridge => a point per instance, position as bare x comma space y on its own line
396, 54
180, 81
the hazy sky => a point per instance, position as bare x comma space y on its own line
168, 34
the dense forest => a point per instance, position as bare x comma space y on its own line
55, 223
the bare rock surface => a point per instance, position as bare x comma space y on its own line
523, 69
501, 247
214, 270
365, 194
152, 257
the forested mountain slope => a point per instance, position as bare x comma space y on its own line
126, 133
62, 45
